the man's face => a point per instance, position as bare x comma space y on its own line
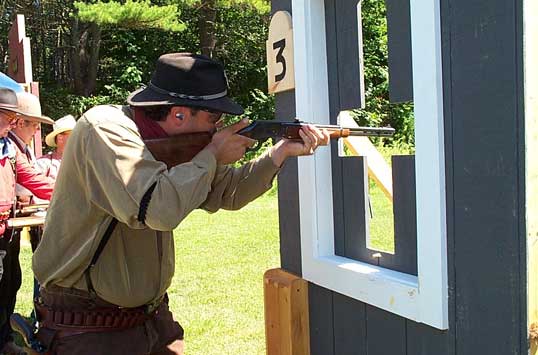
61, 139
182, 120
26, 129
8, 120
204, 121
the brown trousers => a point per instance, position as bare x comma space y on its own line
159, 335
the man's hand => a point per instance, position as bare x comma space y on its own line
228, 146
312, 138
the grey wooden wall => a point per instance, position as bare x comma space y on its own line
483, 88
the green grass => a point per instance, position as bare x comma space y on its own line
217, 290
382, 221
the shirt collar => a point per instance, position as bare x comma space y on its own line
17, 140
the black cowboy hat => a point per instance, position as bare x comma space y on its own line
185, 79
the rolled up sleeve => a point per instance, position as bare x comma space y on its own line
233, 188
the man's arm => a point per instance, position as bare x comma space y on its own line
38, 184
122, 178
233, 188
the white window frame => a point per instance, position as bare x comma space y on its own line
422, 298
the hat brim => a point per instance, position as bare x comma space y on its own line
50, 138
148, 97
10, 108
40, 119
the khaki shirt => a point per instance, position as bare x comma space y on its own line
106, 170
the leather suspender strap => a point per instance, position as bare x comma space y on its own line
98, 252
144, 204
141, 218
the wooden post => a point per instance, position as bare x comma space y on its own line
286, 314
20, 66
20, 60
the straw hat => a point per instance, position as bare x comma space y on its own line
64, 124
30, 108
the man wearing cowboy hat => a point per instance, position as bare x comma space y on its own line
10, 162
49, 164
107, 243
22, 134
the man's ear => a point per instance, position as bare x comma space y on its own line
180, 114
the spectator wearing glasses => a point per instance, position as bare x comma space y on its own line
22, 134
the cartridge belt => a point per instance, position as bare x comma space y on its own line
91, 320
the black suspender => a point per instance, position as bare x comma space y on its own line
108, 233
98, 252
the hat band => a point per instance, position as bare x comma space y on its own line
184, 96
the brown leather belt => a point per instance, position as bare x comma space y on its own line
91, 320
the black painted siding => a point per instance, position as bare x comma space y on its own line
483, 108
399, 50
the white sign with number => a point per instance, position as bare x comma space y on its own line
279, 46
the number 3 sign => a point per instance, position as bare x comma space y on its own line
279, 46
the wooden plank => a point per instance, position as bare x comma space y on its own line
21, 222
277, 5
334, 109
356, 210
288, 214
399, 51
378, 169
425, 340
286, 313
20, 56
404, 258
531, 173
279, 52
349, 326
320, 302
386, 333
487, 163
349, 51
288, 196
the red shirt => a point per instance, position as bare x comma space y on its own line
38, 184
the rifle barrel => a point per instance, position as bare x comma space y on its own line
359, 131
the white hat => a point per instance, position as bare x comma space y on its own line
30, 108
64, 124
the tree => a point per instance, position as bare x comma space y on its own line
91, 19
208, 16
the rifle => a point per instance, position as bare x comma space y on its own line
182, 148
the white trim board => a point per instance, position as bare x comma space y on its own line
422, 298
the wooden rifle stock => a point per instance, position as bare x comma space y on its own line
175, 150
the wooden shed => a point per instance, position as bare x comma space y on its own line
463, 277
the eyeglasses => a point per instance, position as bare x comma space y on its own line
217, 115
10, 115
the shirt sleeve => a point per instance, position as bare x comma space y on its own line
43, 165
233, 188
119, 170
30, 178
